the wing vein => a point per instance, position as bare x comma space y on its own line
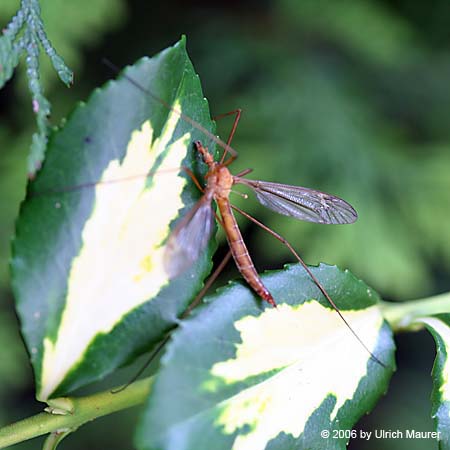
301, 203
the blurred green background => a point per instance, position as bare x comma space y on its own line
349, 97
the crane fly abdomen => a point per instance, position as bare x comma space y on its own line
239, 251
219, 183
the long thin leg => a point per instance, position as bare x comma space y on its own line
308, 271
186, 313
229, 113
194, 303
207, 285
78, 187
150, 359
243, 173
236, 180
186, 118
237, 113
193, 178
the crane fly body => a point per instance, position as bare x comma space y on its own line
220, 181
191, 235
193, 232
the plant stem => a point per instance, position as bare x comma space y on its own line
402, 316
53, 439
84, 410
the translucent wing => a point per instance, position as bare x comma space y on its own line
301, 203
189, 238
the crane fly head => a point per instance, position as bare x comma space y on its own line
207, 157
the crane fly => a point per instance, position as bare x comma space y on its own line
191, 235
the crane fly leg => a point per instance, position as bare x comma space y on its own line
197, 298
244, 172
239, 175
291, 249
193, 178
186, 313
208, 284
237, 114
312, 276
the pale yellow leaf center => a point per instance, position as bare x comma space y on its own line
316, 356
119, 266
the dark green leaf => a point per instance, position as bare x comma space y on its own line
439, 327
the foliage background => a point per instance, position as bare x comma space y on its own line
349, 97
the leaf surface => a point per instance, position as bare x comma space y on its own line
242, 375
87, 267
439, 326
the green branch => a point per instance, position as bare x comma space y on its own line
402, 316
82, 410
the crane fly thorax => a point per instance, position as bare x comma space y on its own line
219, 181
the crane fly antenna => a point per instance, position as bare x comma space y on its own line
312, 276
195, 124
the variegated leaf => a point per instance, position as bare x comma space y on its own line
87, 268
243, 375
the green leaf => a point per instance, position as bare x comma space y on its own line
243, 375
439, 327
91, 292
9, 59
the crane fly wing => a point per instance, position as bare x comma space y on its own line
301, 203
189, 238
